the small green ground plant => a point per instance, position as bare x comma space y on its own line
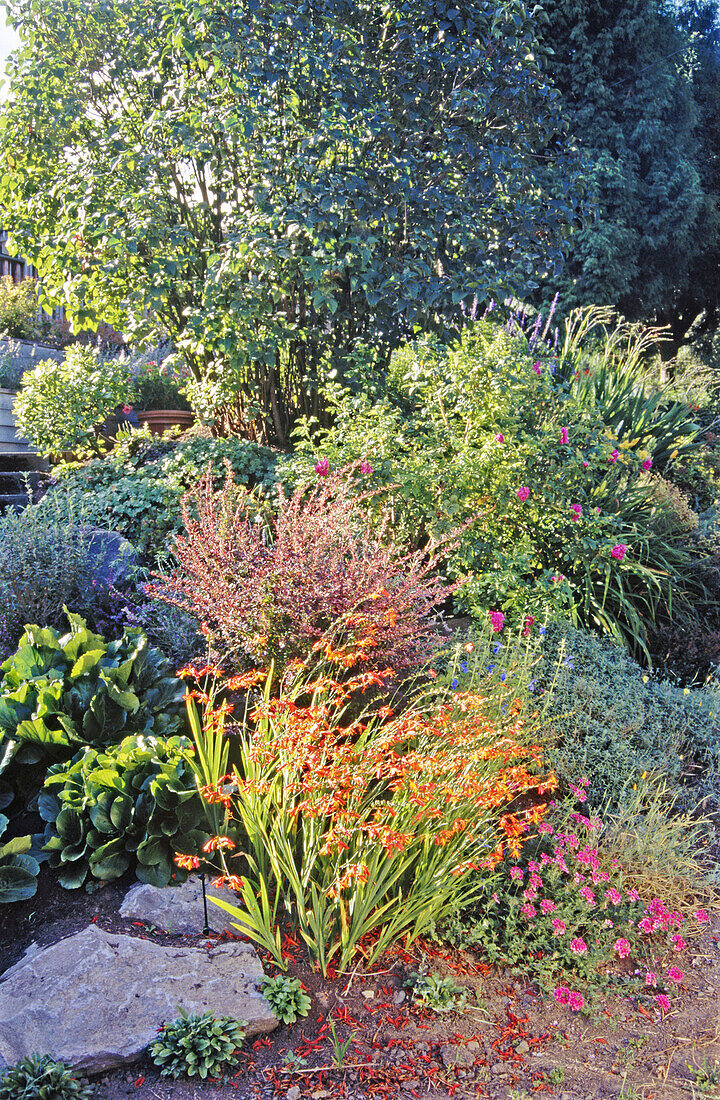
286, 997
436, 993
197, 1046
40, 1077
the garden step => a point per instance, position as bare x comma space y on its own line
16, 460
95, 1000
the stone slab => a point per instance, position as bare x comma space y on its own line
178, 909
96, 999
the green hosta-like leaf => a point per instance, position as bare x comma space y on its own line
18, 882
88, 660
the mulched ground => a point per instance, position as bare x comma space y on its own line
509, 1042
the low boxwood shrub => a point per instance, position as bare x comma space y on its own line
131, 805
60, 692
61, 405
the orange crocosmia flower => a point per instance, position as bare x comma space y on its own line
188, 863
535, 815
245, 680
392, 616
218, 844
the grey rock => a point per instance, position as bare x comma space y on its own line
113, 556
293, 1093
499, 1070
399, 998
453, 1056
96, 999
178, 909
523, 1047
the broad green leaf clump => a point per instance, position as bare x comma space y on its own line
61, 692
133, 805
201, 1046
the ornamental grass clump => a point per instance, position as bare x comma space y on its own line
272, 592
360, 829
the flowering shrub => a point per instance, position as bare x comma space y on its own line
366, 830
564, 912
324, 578
571, 524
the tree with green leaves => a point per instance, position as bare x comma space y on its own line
285, 189
630, 74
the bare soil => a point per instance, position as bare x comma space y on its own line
509, 1042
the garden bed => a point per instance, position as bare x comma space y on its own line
508, 1038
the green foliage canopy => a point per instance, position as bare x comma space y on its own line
275, 184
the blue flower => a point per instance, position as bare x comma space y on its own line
569, 662
463, 666
543, 630
531, 686
497, 648
454, 684
490, 668
503, 677
503, 708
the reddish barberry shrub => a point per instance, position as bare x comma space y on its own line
326, 582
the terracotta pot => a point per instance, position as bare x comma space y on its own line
159, 420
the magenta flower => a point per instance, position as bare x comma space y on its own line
587, 895
516, 872
561, 994
576, 509
650, 979
523, 493
548, 906
675, 975
322, 467
499, 438
614, 896
578, 946
576, 1001
585, 464
528, 910
564, 435
365, 468
646, 465
678, 943
622, 947
701, 916
497, 618
662, 1002
558, 927
618, 552
614, 456
537, 367
127, 409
